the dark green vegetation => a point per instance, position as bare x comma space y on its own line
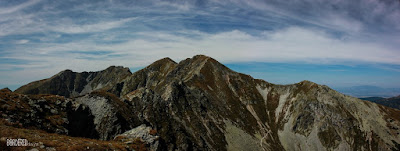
372, 99
393, 102
200, 104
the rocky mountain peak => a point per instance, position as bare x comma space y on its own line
117, 68
71, 84
66, 72
165, 60
162, 65
308, 85
6, 90
306, 82
200, 104
198, 66
199, 59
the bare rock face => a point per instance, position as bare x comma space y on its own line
110, 116
200, 104
71, 84
150, 76
315, 117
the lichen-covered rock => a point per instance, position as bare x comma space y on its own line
142, 133
110, 115
45, 112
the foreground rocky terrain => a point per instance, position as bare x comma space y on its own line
198, 104
45, 120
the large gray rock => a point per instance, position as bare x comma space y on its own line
110, 115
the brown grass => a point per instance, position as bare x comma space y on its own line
390, 112
105, 94
55, 119
153, 132
48, 97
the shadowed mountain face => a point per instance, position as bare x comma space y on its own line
200, 104
70, 84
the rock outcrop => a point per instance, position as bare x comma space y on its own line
97, 115
110, 116
142, 133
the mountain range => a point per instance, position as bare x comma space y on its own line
393, 102
364, 91
196, 104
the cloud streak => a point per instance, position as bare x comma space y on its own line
287, 45
17, 8
88, 28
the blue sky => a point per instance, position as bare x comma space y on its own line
336, 43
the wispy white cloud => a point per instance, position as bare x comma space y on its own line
88, 28
22, 41
8, 10
289, 45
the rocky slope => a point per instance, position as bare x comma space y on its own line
97, 115
199, 104
70, 84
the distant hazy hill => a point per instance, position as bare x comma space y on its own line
372, 99
393, 102
369, 91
